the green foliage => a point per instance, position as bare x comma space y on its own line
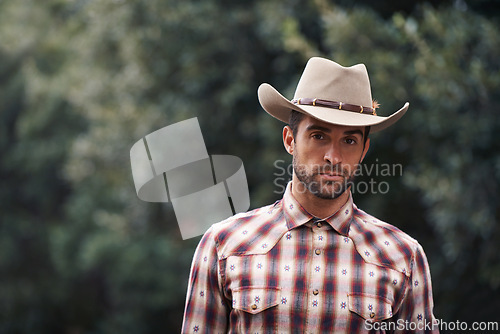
84, 80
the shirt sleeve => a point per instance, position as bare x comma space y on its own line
206, 310
416, 312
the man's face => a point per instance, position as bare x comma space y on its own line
325, 156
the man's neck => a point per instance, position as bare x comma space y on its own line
318, 207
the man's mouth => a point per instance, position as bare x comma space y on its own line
332, 176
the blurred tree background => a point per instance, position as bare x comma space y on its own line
82, 80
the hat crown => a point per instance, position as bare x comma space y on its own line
325, 79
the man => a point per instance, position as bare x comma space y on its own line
313, 262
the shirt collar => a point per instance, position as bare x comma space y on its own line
296, 215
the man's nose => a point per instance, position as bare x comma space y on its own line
333, 155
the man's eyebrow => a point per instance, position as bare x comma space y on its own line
314, 127
354, 132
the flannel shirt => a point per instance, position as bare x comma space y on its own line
278, 269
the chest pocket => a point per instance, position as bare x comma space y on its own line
254, 300
370, 307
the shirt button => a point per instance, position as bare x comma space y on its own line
254, 307
315, 292
317, 251
372, 315
319, 224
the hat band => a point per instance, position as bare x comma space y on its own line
334, 105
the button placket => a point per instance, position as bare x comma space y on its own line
316, 274
318, 236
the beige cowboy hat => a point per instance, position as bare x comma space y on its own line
331, 93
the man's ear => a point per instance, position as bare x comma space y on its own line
365, 150
288, 140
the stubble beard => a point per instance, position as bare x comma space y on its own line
311, 179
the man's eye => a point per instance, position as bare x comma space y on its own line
350, 141
317, 136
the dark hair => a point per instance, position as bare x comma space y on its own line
294, 120
296, 117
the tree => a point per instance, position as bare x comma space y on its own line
81, 253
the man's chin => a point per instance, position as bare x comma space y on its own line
329, 194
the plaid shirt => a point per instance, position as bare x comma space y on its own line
277, 269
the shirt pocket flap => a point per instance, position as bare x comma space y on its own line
255, 299
370, 307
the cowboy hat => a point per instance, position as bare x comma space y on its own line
331, 93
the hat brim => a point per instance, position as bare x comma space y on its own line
279, 107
